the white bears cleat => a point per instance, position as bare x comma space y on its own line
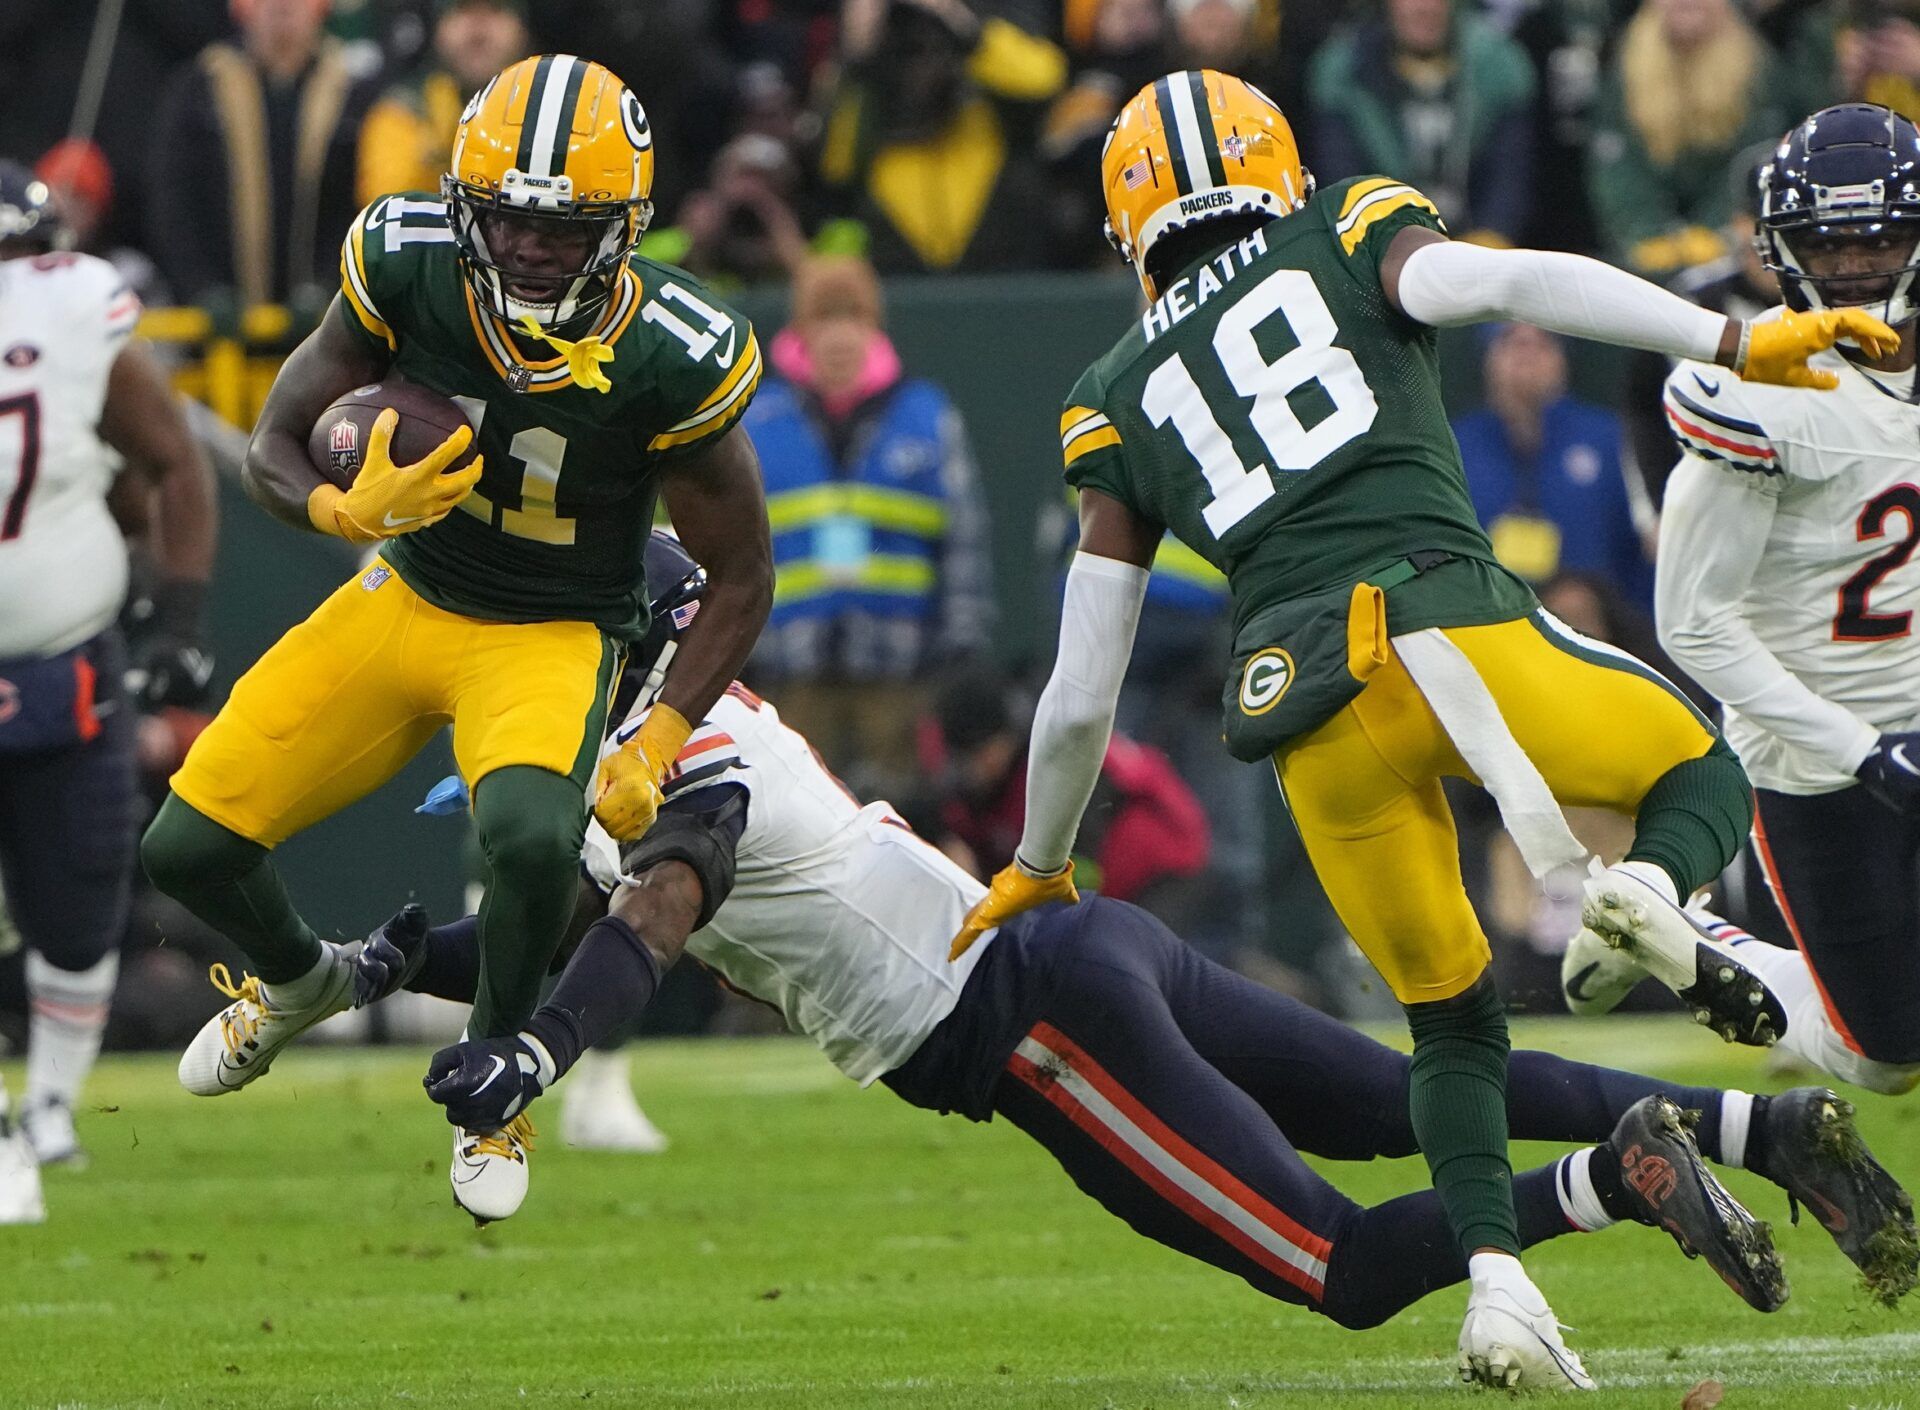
1627, 909
1510, 1340
1595, 976
598, 1111
49, 1130
489, 1170
20, 1200
240, 1042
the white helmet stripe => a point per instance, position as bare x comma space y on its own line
1186, 118
547, 125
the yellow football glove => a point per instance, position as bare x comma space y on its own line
1014, 889
1777, 350
629, 792
388, 499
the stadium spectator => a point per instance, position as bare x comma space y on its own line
1692, 85
1433, 95
1567, 44
1545, 470
252, 174
930, 135
56, 82
407, 138
879, 531
1877, 56
1145, 838
741, 228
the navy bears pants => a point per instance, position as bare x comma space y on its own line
67, 828
1180, 1095
1845, 871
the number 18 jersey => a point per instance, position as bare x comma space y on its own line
1284, 421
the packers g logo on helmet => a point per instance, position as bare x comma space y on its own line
1193, 146
551, 138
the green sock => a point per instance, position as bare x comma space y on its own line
229, 882
1693, 819
530, 823
1457, 1095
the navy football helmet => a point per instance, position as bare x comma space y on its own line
675, 585
27, 214
1848, 174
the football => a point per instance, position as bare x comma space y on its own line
338, 445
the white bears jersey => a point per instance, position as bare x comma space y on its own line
63, 563
840, 917
1784, 580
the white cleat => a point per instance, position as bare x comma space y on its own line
240, 1042
1594, 976
20, 1200
489, 1171
1626, 909
1510, 1340
49, 1130
598, 1111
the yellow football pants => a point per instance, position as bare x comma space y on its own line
341, 702
1364, 788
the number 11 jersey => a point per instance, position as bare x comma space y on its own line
1284, 421
557, 528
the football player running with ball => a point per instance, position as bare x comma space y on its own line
1278, 409
1785, 588
504, 592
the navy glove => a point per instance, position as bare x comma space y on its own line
485, 1082
1891, 772
392, 955
173, 666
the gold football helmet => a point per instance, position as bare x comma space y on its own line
559, 141
1194, 146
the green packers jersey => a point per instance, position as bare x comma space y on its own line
557, 527
1284, 421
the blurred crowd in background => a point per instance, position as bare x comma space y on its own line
217, 149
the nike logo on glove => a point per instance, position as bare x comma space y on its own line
392, 523
499, 1066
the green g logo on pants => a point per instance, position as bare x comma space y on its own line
1266, 678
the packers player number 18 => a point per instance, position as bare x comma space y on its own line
1172, 395
541, 452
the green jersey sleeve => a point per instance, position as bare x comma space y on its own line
378, 260
1371, 210
706, 361
1090, 443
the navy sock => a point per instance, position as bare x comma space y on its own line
1552, 1099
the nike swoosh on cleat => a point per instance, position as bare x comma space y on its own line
1833, 1217
1712, 389
1577, 986
499, 1066
1899, 756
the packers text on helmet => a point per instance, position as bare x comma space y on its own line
1195, 146
550, 188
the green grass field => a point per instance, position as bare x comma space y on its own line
803, 1244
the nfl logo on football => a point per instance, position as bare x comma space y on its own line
343, 446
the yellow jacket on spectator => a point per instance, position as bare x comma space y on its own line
408, 137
